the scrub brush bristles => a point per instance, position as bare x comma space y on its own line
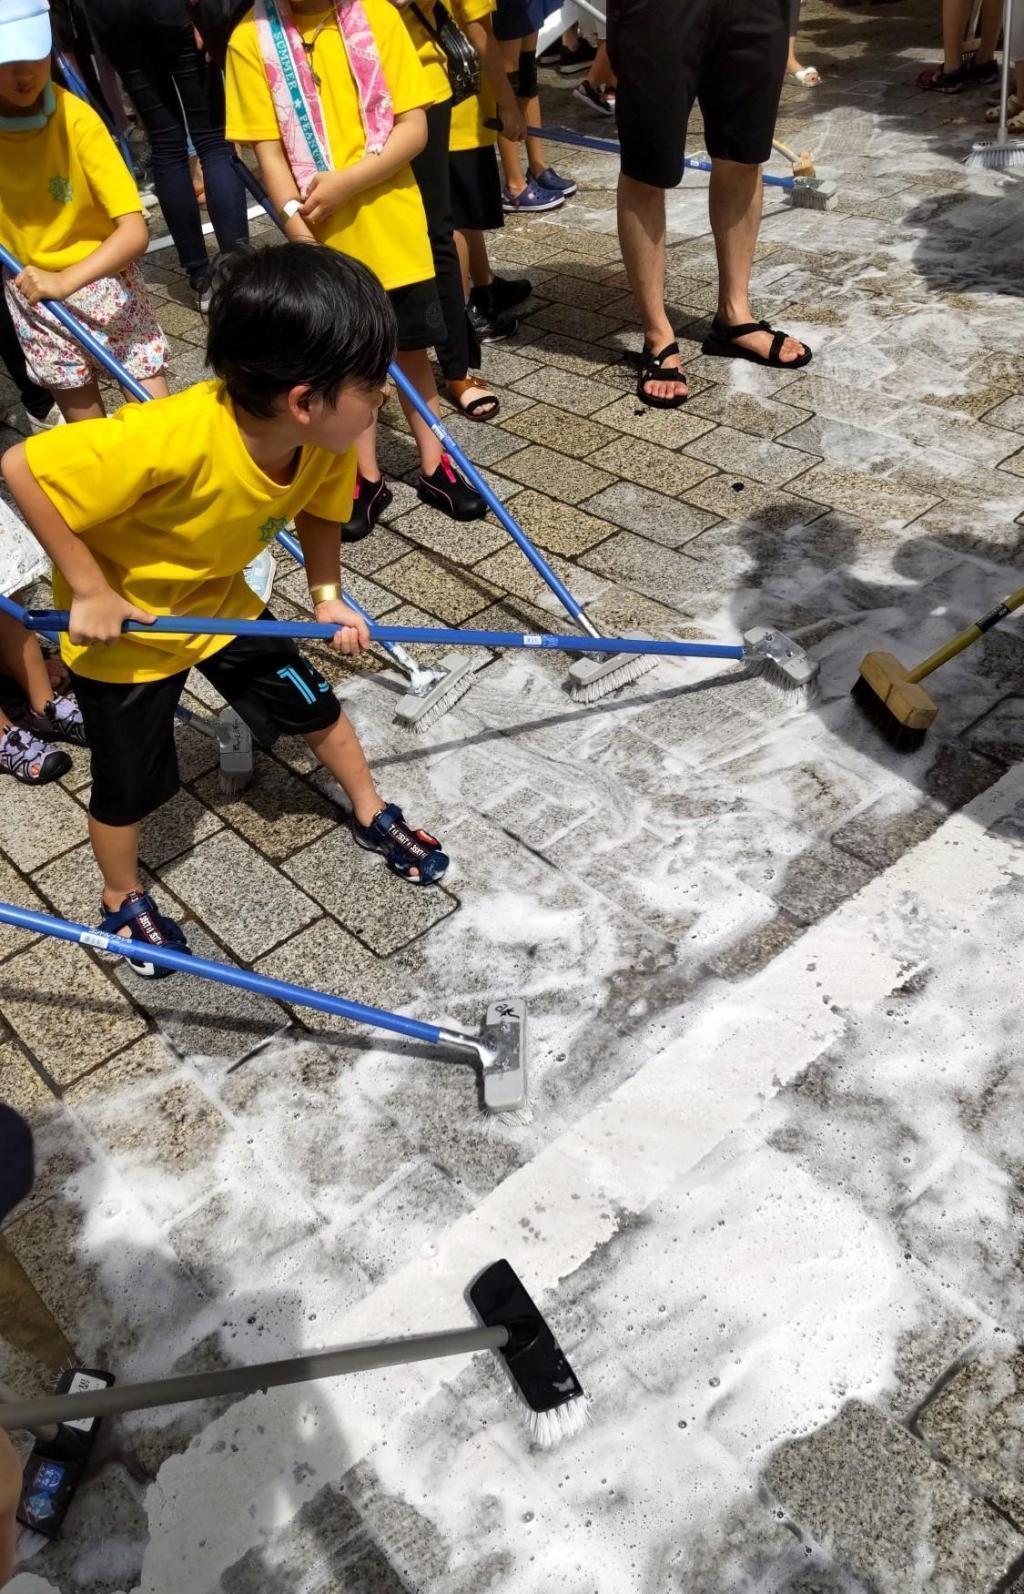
550, 1428
592, 679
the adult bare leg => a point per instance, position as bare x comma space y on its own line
641, 211
734, 203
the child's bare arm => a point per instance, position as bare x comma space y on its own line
281, 186
329, 190
321, 549
97, 611
481, 37
126, 243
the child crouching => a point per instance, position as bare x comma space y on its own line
159, 509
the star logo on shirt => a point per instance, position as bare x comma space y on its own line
270, 528
60, 190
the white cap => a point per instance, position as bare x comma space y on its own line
24, 30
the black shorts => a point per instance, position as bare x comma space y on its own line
419, 314
730, 55
476, 190
518, 19
131, 727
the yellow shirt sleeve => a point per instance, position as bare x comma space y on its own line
96, 470
112, 184
251, 117
412, 88
333, 498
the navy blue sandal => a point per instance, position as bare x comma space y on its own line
414, 855
149, 927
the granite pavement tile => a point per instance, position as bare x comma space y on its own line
650, 514
464, 543
736, 498
662, 469
72, 884
668, 428
748, 412
276, 812
571, 434
64, 1009
657, 572
357, 888
20, 894
973, 1424
422, 578
567, 479
327, 958
558, 528
757, 458
38, 823
239, 895
578, 395
175, 827
863, 494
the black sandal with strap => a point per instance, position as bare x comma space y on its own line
721, 340
653, 369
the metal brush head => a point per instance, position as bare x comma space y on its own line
503, 1053
788, 662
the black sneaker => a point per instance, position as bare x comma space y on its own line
200, 283
503, 294
489, 327
552, 55
572, 61
369, 501
445, 490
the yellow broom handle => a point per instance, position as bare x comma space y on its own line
965, 638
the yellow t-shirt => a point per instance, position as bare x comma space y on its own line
62, 187
468, 118
173, 507
430, 54
385, 227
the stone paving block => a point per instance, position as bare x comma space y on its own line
884, 831
72, 885
579, 395
762, 417
242, 898
974, 1425
668, 428
33, 1349
418, 1204
38, 823
575, 323
650, 466
361, 893
511, 570
756, 458
174, 828
202, 1017
465, 543
507, 366
572, 434
659, 573
276, 812
17, 891
64, 1009
877, 1501
568, 480
312, 1552
736, 498
59, 1148
818, 881
327, 958
577, 290
860, 493
650, 514
558, 527
373, 553
1009, 414
421, 578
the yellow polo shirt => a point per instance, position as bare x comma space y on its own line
172, 506
468, 118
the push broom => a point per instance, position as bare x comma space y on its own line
613, 663
432, 692
551, 1396
892, 696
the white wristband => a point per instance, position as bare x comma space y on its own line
290, 208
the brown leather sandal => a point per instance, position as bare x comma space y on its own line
482, 408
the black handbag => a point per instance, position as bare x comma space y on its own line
461, 60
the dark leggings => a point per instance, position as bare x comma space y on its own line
36, 399
460, 348
176, 93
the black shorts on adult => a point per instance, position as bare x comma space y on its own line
476, 190
729, 55
420, 318
131, 727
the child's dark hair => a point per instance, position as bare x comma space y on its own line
296, 314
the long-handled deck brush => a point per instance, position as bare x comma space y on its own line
783, 661
891, 695
589, 679
500, 1047
427, 695
555, 1406
1002, 152
804, 187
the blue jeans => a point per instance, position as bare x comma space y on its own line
178, 95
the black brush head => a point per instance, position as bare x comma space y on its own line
903, 738
536, 1362
17, 1162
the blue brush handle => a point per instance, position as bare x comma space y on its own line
71, 324
449, 444
310, 630
220, 973
292, 545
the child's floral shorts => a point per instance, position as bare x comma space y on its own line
117, 310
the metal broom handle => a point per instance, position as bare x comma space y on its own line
1004, 92
248, 1380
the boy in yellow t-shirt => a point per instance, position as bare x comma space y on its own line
367, 204
159, 510
71, 213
